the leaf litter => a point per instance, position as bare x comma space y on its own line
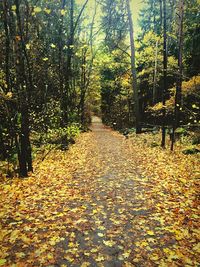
105, 202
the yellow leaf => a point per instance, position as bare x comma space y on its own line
20, 255
150, 232
171, 255
71, 245
28, 46
25, 239
45, 59
101, 228
184, 181
141, 244
116, 222
121, 258
197, 248
127, 253
48, 11
136, 259
62, 12
72, 235
100, 234
53, 46
87, 254
52, 242
14, 235
94, 250
37, 9
70, 259
109, 243
2, 261
94, 211
189, 261
9, 94
49, 256
99, 258
181, 234
85, 264
154, 257
13, 8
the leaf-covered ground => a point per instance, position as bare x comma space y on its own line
107, 202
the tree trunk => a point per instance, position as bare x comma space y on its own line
61, 68
7, 44
83, 86
155, 75
133, 70
178, 96
164, 91
24, 86
161, 15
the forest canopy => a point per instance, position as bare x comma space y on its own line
62, 61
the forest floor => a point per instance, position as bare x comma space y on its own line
107, 201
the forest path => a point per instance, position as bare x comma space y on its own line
90, 207
113, 199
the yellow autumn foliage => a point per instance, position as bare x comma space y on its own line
188, 88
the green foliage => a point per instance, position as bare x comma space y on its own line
58, 75
191, 151
196, 139
155, 144
181, 131
57, 136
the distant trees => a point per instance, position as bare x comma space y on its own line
115, 65
177, 50
55, 68
157, 60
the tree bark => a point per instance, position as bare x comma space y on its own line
133, 70
7, 44
155, 75
24, 85
164, 91
65, 101
61, 68
178, 96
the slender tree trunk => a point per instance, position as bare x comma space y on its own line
61, 68
155, 75
133, 70
7, 44
68, 70
178, 96
86, 76
161, 14
83, 86
24, 85
164, 91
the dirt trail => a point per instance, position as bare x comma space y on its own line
114, 200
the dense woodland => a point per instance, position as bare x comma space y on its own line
99, 133
59, 65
